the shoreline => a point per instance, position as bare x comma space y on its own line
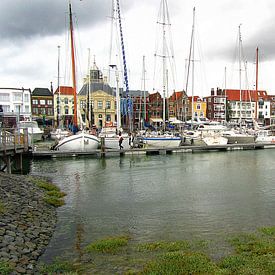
27, 223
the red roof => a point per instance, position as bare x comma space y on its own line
196, 98
247, 95
65, 90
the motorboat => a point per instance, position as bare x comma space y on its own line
59, 134
34, 132
238, 137
265, 136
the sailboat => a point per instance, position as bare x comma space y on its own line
166, 140
81, 141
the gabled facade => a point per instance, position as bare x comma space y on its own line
177, 106
42, 103
64, 104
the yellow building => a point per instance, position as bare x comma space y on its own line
103, 108
199, 107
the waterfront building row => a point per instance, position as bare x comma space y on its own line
96, 103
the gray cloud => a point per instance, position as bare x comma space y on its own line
25, 19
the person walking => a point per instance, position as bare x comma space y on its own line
120, 139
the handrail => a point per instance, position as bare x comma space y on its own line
12, 138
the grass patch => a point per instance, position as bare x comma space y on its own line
269, 231
109, 245
5, 268
254, 245
53, 194
57, 267
44, 184
56, 194
164, 246
2, 209
181, 263
56, 202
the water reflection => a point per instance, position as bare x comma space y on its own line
161, 197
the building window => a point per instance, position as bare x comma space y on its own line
108, 104
27, 109
26, 98
99, 105
198, 106
35, 102
50, 102
42, 111
17, 97
42, 102
6, 108
66, 101
108, 117
35, 111
66, 110
50, 111
82, 104
100, 116
5, 97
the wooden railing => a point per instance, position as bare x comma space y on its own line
13, 139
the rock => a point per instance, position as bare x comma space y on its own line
20, 269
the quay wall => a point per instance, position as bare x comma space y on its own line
27, 223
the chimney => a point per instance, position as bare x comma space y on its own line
52, 87
212, 92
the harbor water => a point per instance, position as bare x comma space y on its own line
161, 197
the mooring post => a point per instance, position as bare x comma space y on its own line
102, 152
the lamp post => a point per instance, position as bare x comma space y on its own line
118, 114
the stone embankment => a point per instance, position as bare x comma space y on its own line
27, 223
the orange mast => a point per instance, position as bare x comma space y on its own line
73, 65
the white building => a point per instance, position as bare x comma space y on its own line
16, 102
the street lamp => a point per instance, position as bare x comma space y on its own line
118, 115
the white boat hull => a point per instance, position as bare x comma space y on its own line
268, 139
162, 142
78, 143
215, 140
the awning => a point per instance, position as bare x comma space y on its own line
156, 120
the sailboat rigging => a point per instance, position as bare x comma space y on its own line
81, 141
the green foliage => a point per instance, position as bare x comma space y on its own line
5, 268
57, 267
165, 246
108, 245
181, 263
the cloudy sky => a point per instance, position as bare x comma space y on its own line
31, 30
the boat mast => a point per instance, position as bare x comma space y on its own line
193, 64
73, 65
163, 62
144, 95
88, 106
58, 87
240, 73
225, 107
257, 71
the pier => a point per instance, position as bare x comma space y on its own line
12, 147
104, 152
